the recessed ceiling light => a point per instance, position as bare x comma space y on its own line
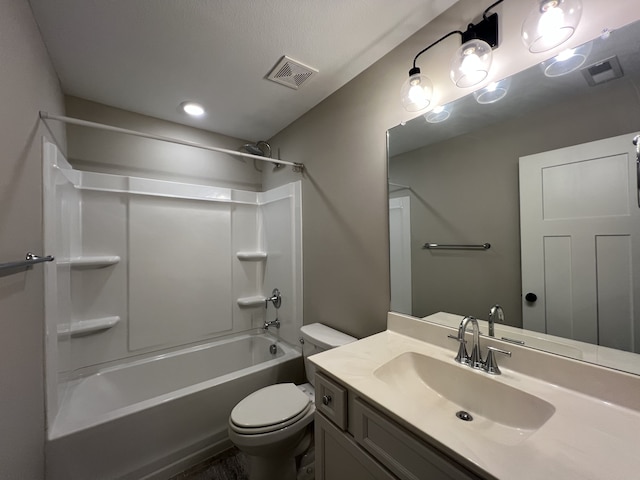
192, 108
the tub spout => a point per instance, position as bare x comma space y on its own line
272, 323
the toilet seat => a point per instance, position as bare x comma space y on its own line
270, 408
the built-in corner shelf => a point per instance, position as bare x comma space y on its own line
87, 327
257, 301
253, 256
96, 261
92, 261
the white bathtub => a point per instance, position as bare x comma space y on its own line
151, 418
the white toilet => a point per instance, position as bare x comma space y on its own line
274, 424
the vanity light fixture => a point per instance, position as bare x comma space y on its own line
438, 114
416, 91
493, 92
469, 66
192, 108
566, 61
471, 63
550, 23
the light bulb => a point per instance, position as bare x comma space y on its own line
417, 95
438, 114
471, 63
493, 92
416, 91
566, 61
565, 54
550, 23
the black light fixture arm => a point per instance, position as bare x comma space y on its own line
416, 69
484, 14
486, 29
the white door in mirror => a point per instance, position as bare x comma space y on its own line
580, 228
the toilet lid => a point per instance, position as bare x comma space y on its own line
271, 405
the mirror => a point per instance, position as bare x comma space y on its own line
456, 181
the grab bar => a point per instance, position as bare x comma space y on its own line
433, 246
30, 259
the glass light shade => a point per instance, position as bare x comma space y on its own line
566, 61
550, 23
493, 92
437, 115
471, 63
416, 92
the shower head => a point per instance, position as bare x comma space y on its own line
260, 148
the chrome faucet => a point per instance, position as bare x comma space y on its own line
272, 323
475, 359
495, 312
276, 299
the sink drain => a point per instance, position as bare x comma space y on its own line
462, 415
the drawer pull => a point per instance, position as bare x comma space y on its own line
326, 400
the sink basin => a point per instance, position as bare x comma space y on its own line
452, 387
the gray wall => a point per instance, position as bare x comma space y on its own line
465, 190
342, 143
115, 153
27, 84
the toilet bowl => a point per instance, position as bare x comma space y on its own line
274, 425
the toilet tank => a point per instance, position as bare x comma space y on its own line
318, 338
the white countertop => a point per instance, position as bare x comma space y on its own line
586, 437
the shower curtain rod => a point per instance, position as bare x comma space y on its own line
297, 167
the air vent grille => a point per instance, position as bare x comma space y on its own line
603, 71
291, 73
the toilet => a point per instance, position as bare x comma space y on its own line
274, 425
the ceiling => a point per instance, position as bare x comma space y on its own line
148, 56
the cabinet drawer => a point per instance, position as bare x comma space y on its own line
401, 452
331, 400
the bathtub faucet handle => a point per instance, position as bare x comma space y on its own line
275, 298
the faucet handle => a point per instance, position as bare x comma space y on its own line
462, 356
490, 365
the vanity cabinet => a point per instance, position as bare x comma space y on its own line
355, 440
338, 456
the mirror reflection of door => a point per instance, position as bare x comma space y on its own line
580, 231
400, 253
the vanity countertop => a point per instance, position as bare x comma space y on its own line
587, 437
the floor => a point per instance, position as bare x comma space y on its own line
230, 465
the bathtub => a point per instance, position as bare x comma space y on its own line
154, 417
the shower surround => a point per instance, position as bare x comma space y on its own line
152, 272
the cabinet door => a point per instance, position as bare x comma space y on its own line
401, 452
338, 457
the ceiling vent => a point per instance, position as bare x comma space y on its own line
290, 73
602, 71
